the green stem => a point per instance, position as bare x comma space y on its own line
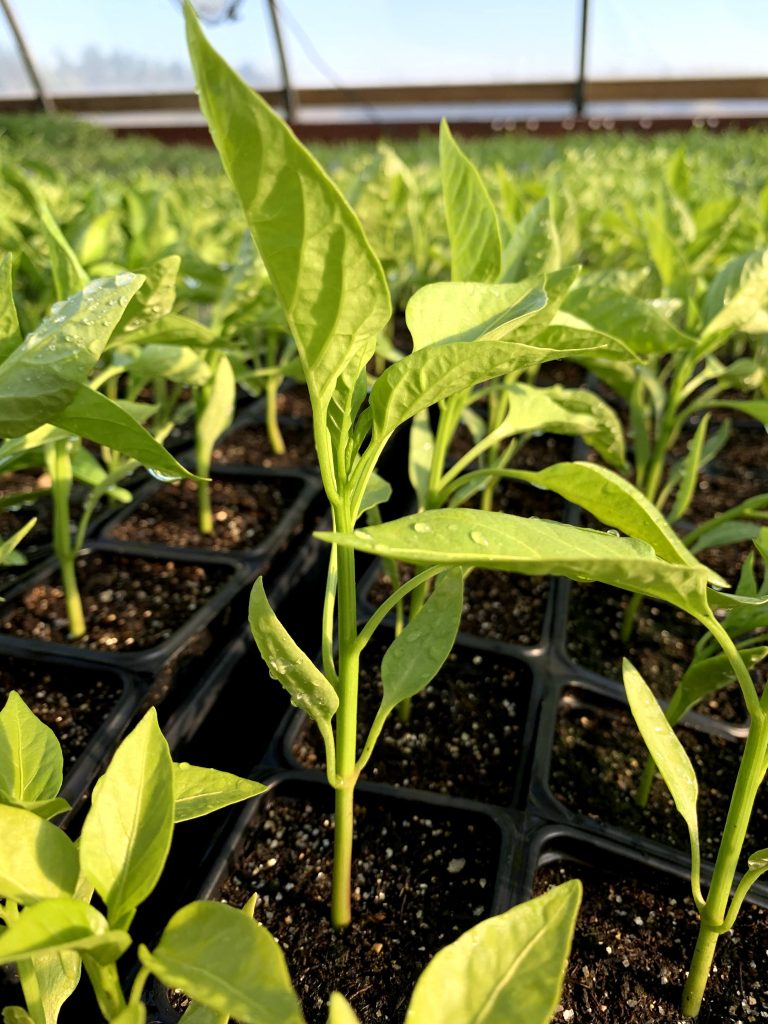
346, 729
751, 772
59, 464
106, 987
271, 422
450, 414
203, 457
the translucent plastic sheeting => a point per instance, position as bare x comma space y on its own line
14, 80
677, 39
85, 47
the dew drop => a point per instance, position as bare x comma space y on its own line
478, 538
613, 533
123, 279
422, 527
164, 478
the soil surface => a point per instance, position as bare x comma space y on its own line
597, 758
660, 648
293, 402
464, 735
244, 514
420, 879
130, 603
634, 938
249, 445
73, 702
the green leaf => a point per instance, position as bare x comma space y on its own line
634, 321
60, 924
377, 491
533, 245
134, 1013
10, 336
58, 975
605, 433
16, 1015
94, 416
199, 791
691, 466
705, 676
508, 968
416, 656
758, 861
754, 407
339, 1010
665, 748
722, 534
174, 330
37, 860
31, 762
421, 450
44, 374
616, 502
535, 547
127, 834
328, 280
473, 229
453, 311
735, 301
8, 546
289, 665
178, 363
219, 408
156, 296
226, 961
196, 1013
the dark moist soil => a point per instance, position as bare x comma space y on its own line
464, 735
747, 449
130, 603
73, 703
293, 403
249, 445
633, 943
661, 646
420, 879
597, 758
560, 371
244, 514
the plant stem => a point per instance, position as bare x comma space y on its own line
751, 772
203, 455
106, 987
271, 422
346, 729
59, 464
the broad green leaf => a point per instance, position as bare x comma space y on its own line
616, 502
755, 407
37, 860
58, 975
735, 301
199, 791
415, 657
156, 296
180, 364
339, 1010
665, 748
94, 416
174, 330
9, 545
758, 861
60, 924
606, 435
454, 311
634, 321
10, 337
219, 408
473, 229
328, 280
43, 375
226, 961
508, 968
535, 547
732, 531
421, 449
705, 676
31, 762
127, 834
196, 1013
724, 599
288, 664
377, 491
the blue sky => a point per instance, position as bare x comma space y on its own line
389, 41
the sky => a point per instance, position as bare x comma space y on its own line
372, 42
